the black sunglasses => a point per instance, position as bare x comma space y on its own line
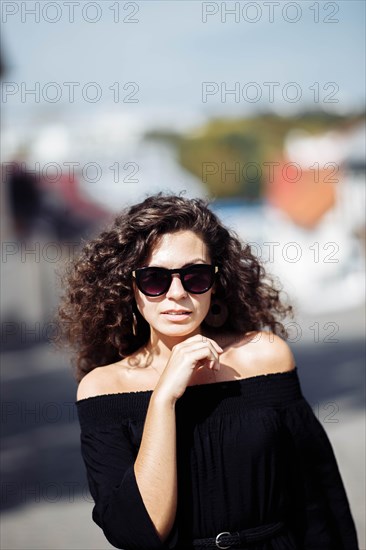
155, 281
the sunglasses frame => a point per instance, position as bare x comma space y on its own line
137, 272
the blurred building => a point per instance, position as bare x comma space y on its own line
318, 203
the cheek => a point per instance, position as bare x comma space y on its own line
145, 307
141, 305
203, 302
139, 299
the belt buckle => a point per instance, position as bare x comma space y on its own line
217, 541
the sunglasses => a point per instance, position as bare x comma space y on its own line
155, 281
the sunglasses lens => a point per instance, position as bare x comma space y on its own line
198, 279
154, 282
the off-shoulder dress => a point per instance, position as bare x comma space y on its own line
251, 454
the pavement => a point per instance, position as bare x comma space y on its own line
45, 499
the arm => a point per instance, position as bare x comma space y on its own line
109, 453
156, 463
155, 466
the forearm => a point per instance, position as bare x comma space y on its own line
156, 464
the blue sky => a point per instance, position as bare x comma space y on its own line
170, 52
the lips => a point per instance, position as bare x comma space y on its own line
176, 312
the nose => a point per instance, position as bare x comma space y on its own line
176, 289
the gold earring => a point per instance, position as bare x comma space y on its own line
134, 324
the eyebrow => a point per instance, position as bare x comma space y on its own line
195, 260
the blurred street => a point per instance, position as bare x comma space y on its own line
45, 500
106, 103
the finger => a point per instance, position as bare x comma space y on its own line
207, 349
210, 364
217, 347
204, 339
206, 356
215, 344
207, 343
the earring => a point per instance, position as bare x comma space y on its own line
218, 313
134, 324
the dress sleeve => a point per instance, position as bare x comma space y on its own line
321, 511
119, 510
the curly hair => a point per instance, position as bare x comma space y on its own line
95, 313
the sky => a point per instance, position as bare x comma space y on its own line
178, 60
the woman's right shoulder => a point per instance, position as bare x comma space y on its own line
99, 381
124, 376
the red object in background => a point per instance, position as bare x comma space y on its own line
304, 195
67, 188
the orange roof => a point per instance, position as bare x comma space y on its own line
304, 195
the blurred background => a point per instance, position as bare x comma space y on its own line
259, 106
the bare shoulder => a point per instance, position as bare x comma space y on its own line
274, 352
127, 375
264, 353
97, 382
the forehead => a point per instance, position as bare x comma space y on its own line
177, 249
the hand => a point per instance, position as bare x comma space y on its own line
186, 357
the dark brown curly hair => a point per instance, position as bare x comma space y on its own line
95, 313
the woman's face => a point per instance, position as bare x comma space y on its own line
175, 250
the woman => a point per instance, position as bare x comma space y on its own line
194, 431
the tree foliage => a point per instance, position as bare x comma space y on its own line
228, 154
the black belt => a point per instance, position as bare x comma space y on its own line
236, 540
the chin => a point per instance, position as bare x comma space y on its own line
178, 329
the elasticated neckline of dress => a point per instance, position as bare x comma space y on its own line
264, 390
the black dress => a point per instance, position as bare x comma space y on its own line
250, 452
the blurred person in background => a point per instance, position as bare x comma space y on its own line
24, 200
194, 429
50, 206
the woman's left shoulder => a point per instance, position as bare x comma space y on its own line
265, 352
